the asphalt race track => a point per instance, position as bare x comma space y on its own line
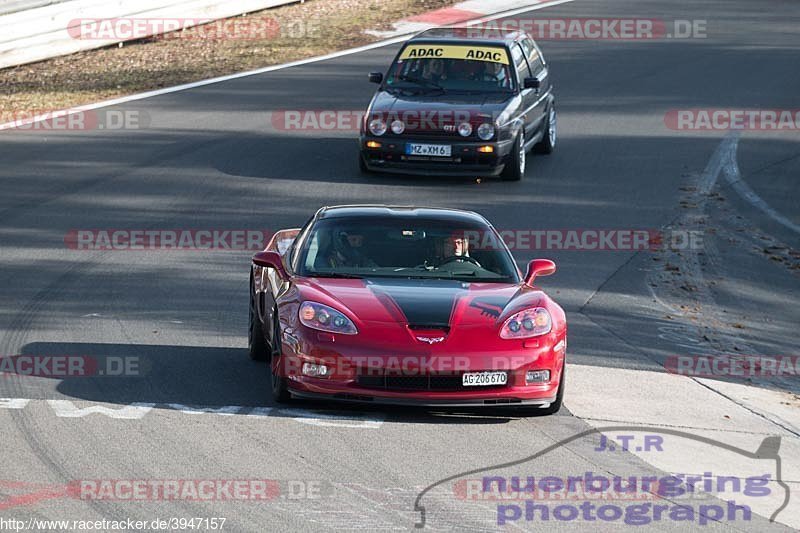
212, 158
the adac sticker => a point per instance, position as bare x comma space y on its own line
492, 54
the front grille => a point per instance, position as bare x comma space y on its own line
411, 161
434, 382
413, 135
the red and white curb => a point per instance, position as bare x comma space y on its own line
455, 14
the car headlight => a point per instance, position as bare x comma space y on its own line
528, 323
486, 131
398, 127
465, 129
377, 126
324, 318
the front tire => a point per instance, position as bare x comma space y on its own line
362, 166
554, 407
515, 168
280, 391
256, 345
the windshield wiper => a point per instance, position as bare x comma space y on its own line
421, 82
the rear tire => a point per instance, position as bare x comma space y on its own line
280, 391
515, 167
548, 142
256, 345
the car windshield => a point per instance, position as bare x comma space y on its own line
451, 68
403, 248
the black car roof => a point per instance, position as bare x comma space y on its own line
463, 34
409, 212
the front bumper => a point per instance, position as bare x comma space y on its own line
362, 397
535, 394
465, 159
428, 378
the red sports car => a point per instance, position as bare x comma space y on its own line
405, 305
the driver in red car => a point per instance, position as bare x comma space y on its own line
453, 248
456, 246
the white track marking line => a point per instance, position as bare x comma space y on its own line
724, 153
324, 420
220, 79
13, 403
67, 409
734, 178
722, 162
662, 303
136, 411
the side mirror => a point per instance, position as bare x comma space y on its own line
271, 259
531, 83
539, 267
376, 77
283, 239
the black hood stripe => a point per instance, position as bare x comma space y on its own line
422, 303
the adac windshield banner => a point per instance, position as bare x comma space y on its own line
492, 54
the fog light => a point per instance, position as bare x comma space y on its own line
315, 371
488, 149
373, 144
537, 376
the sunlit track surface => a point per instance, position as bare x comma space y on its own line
212, 158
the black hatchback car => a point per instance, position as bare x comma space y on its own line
456, 103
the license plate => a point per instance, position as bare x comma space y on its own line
483, 379
435, 150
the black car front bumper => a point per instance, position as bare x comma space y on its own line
465, 159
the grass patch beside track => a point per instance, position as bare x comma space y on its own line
316, 27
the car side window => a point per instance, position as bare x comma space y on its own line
533, 55
520, 63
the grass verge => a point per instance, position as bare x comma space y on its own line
296, 31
